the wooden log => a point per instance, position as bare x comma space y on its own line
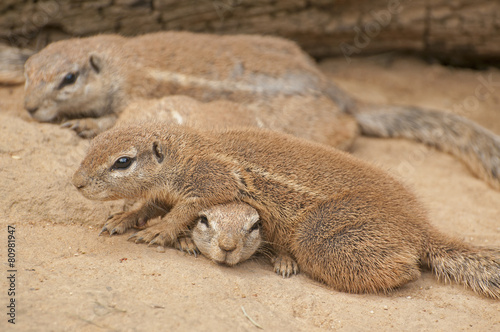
458, 32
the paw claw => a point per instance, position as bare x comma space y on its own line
104, 229
119, 223
285, 266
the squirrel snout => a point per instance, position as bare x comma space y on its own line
31, 110
79, 180
30, 104
227, 246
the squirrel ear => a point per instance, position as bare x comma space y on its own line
157, 152
96, 62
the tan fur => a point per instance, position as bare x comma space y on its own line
184, 110
343, 221
261, 73
282, 113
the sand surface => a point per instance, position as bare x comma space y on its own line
69, 279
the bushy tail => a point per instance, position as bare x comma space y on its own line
12, 64
476, 268
476, 146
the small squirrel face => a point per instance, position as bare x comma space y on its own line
109, 180
228, 233
117, 167
59, 87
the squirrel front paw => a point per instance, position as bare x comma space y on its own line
120, 222
85, 128
159, 234
186, 244
284, 265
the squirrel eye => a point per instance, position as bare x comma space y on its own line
69, 79
122, 163
204, 220
255, 226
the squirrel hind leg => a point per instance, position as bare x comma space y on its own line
334, 245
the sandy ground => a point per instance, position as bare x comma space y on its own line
69, 279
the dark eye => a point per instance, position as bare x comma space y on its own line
122, 163
204, 220
255, 226
69, 79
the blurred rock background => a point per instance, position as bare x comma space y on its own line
456, 32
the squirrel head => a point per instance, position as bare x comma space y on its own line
68, 79
228, 233
124, 162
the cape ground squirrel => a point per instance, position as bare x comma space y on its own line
95, 78
344, 222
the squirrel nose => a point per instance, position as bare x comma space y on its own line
78, 180
31, 110
227, 245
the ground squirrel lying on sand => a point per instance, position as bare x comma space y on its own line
343, 221
91, 80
